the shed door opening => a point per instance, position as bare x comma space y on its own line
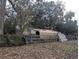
37, 33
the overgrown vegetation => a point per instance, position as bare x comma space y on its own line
11, 40
69, 27
10, 26
22, 14
40, 14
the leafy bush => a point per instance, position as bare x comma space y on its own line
15, 40
3, 40
10, 26
67, 28
11, 40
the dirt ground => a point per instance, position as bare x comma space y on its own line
53, 50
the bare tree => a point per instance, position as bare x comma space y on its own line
23, 10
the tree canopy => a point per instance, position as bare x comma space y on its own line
40, 14
47, 14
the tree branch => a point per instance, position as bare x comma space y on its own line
13, 5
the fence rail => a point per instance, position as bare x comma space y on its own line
24, 39
36, 38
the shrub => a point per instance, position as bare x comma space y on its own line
67, 28
16, 40
10, 26
10, 40
3, 40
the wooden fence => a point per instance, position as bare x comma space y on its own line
36, 38
23, 39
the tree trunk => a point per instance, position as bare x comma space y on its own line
2, 13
